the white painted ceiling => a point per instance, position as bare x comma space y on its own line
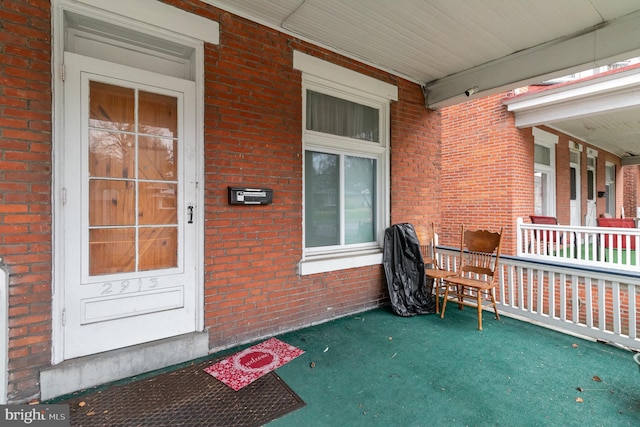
617, 131
451, 45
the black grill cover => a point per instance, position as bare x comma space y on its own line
404, 270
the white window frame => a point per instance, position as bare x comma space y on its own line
548, 140
325, 77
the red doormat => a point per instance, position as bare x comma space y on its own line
245, 367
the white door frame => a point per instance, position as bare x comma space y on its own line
158, 20
575, 206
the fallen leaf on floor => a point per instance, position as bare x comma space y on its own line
91, 413
312, 365
596, 379
81, 404
580, 389
574, 345
579, 400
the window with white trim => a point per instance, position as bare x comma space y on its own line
346, 169
544, 176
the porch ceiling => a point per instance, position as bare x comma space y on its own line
449, 46
603, 111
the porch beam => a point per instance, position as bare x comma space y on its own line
611, 93
600, 45
630, 161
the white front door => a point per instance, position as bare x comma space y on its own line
129, 195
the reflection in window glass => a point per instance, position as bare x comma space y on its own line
359, 197
322, 217
541, 182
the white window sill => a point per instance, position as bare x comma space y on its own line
335, 263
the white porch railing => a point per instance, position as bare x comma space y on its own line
594, 303
600, 247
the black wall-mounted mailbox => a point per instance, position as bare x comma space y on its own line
250, 196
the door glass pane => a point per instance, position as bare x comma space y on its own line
111, 107
340, 117
133, 180
158, 114
157, 158
112, 250
322, 199
573, 184
591, 181
111, 154
158, 204
158, 248
111, 203
359, 197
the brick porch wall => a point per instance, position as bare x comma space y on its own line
487, 170
253, 137
25, 187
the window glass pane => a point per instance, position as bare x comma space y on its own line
322, 199
542, 155
359, 199
541, 182
591, 185
573, 184
574, 157
340, 117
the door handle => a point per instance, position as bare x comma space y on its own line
189, 213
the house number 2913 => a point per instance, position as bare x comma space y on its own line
128, 286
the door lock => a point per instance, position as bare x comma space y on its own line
190, 213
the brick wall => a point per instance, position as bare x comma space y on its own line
252, 136
486, 170
25, 187
630, 176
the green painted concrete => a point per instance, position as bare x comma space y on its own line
378, 369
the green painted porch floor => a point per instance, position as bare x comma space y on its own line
379, 369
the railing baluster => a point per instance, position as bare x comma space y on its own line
632, 292
588, 302
552, 294
601, 304
615, 289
